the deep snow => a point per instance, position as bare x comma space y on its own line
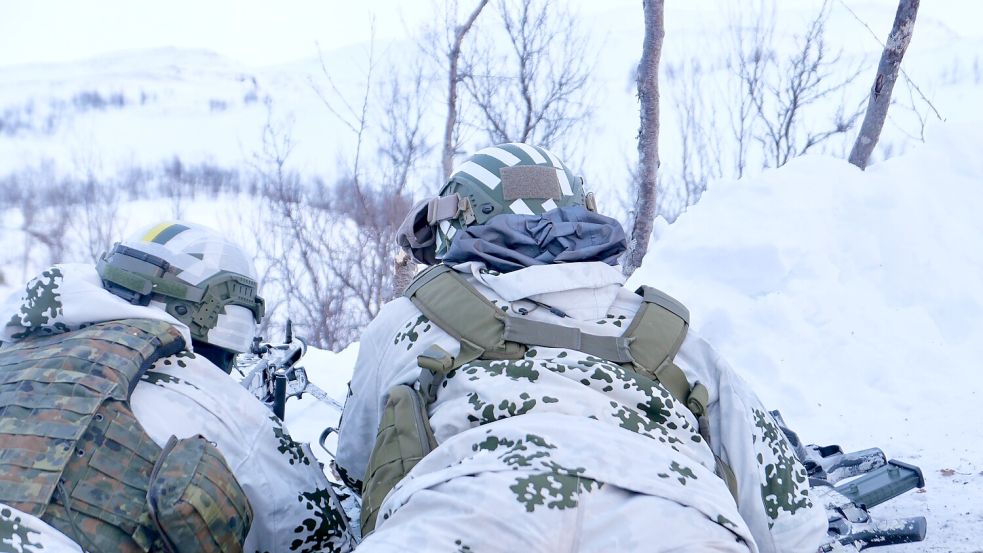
852, 301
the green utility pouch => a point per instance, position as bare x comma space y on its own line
404, 438
193, 503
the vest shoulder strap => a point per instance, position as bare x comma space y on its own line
649, 345
51, 389
461, 311
486, 332
656, 334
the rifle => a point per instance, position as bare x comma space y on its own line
275, 374
853, 483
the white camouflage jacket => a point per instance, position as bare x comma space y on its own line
563, 411
185, 395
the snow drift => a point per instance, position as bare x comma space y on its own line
852, 301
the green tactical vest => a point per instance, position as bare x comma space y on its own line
73, 454
484, 331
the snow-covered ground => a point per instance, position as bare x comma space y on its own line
852, 301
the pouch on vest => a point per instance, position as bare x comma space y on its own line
194, 506
73, 454
404, 438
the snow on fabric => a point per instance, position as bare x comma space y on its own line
853, 301
184, 395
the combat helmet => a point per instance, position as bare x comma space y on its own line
197, 276
507, 178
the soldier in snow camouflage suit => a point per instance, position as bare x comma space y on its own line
561, 450
184, 394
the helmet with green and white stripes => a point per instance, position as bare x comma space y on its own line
508, 178
193, 273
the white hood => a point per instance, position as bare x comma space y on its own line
68, 296
584, 291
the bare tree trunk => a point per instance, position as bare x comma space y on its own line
648, 134
453, 79
887, 75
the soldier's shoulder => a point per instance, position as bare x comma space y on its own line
392, 316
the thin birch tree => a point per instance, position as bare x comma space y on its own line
648, 135
887, 75
404, 268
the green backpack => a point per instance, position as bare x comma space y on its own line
648, 347
73, 454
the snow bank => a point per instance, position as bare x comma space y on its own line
853, 302
307, 417
850, 300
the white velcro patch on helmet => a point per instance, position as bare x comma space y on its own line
520, 207
501, 155
479, 173
532, 152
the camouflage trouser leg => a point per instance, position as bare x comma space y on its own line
23, 533
510, 511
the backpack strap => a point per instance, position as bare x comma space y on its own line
461, 311
655, 335
484, 331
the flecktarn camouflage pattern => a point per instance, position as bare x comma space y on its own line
562, 439
293, 510
181, 395
289, 494
194, 503
73, 454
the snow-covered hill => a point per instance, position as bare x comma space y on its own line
852, 301
139, 108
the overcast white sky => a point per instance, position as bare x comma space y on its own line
259, 32
255, 32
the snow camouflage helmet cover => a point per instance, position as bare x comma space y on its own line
195, 274
512, 178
